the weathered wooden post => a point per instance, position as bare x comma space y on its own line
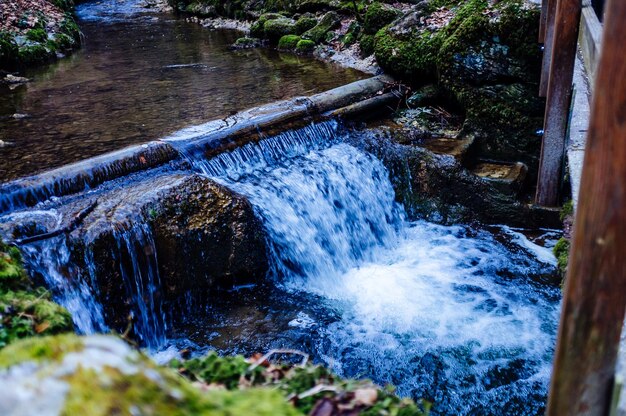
595, 292
543, 20
547, 37
564, 46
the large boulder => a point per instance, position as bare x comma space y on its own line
167, 237
485, 57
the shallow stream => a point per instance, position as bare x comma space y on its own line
138, 77
462, 316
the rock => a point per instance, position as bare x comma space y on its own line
102, 375
12, 79
197, 235
485, 59
246, 43
288, 42
317, 34
418, 176
305, 46
379, 15
274, 29
305, 23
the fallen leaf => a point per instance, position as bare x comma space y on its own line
366, 396
42, 327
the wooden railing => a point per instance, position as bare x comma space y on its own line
595, 291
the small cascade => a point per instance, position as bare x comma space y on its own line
51, 260
137, 259
446, 313
327, 208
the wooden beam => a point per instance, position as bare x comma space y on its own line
548, 42
565, 43
595, 292
543, 20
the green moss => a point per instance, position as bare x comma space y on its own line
305, 46
37, 35
25, 311
305, 23
567, 210
318, 33
367, 43
111, 392
8, 49
379, 15
257, 29
288, 42
215, 369
277, 28
292, 381
561, 251
50, 348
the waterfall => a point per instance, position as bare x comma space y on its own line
136, 255
452, 314
446, 313
74, 285
69, 285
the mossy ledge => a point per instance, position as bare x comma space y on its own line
37, 32
25, 310
102, 375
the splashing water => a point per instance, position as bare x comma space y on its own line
445, 313
51, 260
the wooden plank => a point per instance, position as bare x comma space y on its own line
590, 36
595, 292
566, 27
543, 20
547, 46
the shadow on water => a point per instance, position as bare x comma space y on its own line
139, 79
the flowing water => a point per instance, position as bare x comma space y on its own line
459, 315
452, 314
139, 77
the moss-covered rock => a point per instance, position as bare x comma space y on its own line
561, 252
246, 43
101, 375
275, 29
485, 58
201, 9
317, 34
305, 46
379, 15
25, 310
305, 23
41, 37
288, 42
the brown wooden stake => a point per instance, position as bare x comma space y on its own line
548, 42
543, 20
558, 102
595, 292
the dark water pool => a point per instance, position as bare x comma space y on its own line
136, 80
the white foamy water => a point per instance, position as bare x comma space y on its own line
446, 313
